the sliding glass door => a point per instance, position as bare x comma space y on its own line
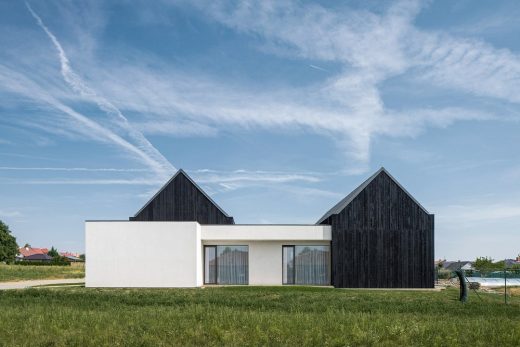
226, 264
306, 265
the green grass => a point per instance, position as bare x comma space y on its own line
239, 316
22, 273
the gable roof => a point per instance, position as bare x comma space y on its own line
350, 197
182, 172
38, 257
27, 251
456, 265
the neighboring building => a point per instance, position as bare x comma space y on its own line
511, 262
379, 236
24, 252
38, 258
458, 265
27, 251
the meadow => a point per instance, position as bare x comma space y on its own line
245, 316
10, 273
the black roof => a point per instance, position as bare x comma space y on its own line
348, 199
182, 172
38, 257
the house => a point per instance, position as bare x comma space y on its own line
24, 252
378, 236
71, 257
511, 262
38, 258
458, 265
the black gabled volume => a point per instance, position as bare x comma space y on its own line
181, 199
381, 238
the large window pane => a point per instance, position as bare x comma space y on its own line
288, 265
232, 265
210, 264
306, 265
226, 265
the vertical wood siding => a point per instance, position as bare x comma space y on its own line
179, 201
382, 239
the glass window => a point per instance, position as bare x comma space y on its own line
226, 265
210, 264
288, 265
306, 265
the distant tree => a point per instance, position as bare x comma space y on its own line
484, 263
53, 252
8, 245
27, 245
82, 257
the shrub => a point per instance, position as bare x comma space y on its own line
46, 263
474, 285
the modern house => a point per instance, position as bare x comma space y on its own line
378, 236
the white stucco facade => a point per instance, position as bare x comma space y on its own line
170, 254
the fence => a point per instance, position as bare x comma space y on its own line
505, 281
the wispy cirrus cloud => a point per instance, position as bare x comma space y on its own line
145, 149
70, 169
367, 47
18, 83
10, 213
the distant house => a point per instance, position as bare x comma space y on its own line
24, 252
70, 254
511, 262
38, 258
70, 257
458, 265
27, 251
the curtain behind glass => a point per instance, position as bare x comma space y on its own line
210, 264
288, 265
312, 265
232, 265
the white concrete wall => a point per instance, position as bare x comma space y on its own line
266, 232
170, 254
143, 254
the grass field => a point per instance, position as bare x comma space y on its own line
295, 316
22, 273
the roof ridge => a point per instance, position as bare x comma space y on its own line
353, 194
181, 171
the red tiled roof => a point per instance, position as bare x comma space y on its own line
69, 254
27, 251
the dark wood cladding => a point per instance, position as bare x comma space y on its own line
382, 239
182, 200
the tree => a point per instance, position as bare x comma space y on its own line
8, 245
27, 245
53, 252
484, 263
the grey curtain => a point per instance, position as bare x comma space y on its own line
312, 265
232, 265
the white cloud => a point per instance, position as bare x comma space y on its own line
70, 169
347, 107
10, 213
151, 154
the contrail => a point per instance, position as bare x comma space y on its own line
161, 165
15, 168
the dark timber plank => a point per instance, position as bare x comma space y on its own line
382, 239
182, 200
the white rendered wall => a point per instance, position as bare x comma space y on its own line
265, 245
143, 254
170, 254
266, 232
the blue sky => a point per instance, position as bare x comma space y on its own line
278, 110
